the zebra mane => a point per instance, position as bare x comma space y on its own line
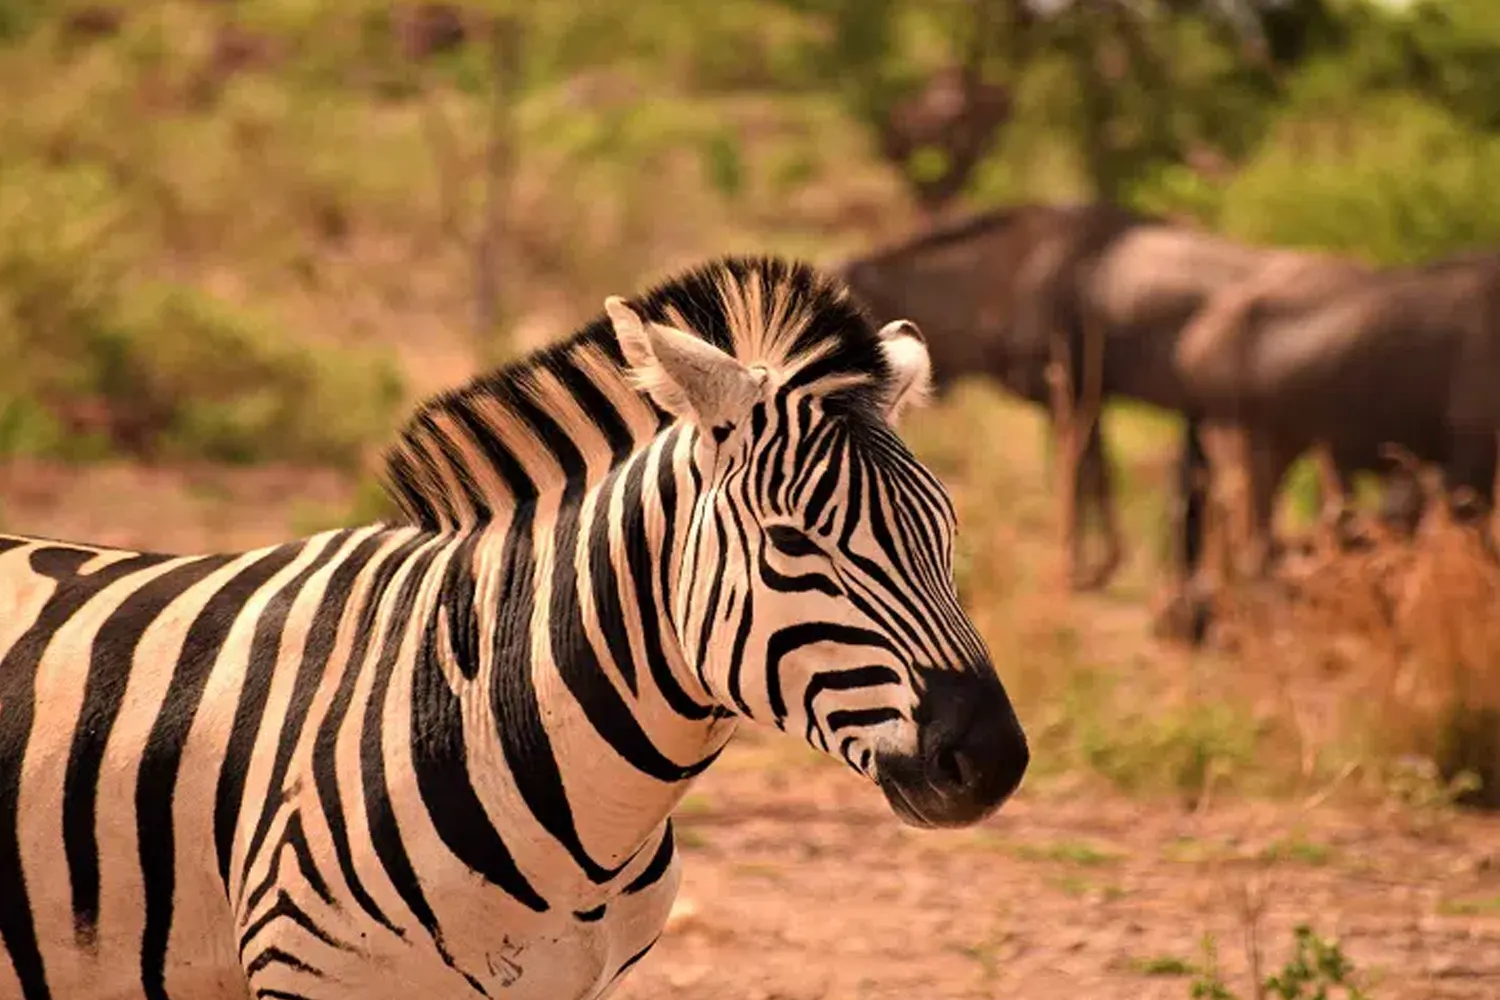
558, 419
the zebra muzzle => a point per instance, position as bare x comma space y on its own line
971, 752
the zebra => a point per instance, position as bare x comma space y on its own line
438, 756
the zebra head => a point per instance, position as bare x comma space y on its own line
815, 566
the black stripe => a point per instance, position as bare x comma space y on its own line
440, 759
110, 665
506, 465
605, 584
325, 766
294, 836
467, 483
385, 832
776, 452
632, 960
593, 401
666, 498
707, 626
461, 604
285, 908
794, 637
438, 492
841, 680
848, 718
761, 449
823, 490
813, 466
742, 631
638, 560
802, 583
260, 670
17, 716
161, 759
401, 474
660, 863
847, 744
275, 956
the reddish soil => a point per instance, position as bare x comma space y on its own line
800, 885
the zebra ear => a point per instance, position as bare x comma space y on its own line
911, 367
685, 375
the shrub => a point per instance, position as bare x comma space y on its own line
103, 361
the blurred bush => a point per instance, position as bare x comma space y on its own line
103, 361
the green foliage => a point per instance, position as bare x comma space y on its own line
1163, 965
103, 358
1419, 784
17, 17
1073, 852
1317, 970
1182, 748
1208, 985
1404, 182
274, 139
1299, 850
1487, 906
1314, 968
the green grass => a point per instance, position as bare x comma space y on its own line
1071, 852
1163, 966
1485, 906
1298, 851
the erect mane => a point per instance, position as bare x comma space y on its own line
560, 418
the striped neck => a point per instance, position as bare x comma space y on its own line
575, 656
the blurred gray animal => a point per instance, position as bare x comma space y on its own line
991, 292
1314, 350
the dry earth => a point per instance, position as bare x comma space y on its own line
800, 885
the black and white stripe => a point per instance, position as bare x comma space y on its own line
439, 758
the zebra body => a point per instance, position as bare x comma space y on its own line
439, 758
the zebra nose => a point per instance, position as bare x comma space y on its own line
974, 754
973, 751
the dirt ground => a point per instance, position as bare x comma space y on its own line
800, 885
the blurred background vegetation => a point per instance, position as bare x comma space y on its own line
252, 233
222, 224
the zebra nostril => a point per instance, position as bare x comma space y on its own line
954, 769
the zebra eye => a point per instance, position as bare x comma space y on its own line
792, 542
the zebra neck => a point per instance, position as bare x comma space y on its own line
593, 701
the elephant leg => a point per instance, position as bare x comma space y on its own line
1094, 488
